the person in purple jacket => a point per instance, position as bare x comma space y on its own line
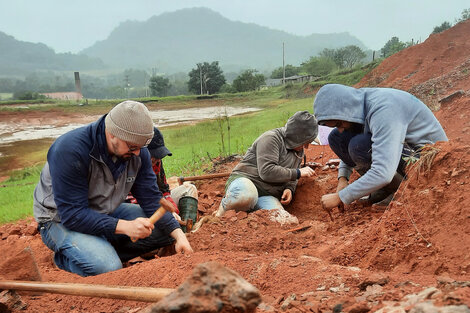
79, 202
373, 129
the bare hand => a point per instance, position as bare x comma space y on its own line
137, 229
286, 197
330, 201
182, 244
306, 172
173, 182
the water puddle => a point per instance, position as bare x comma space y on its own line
15, 132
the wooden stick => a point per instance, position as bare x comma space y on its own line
182, 179
144, 294
297, 229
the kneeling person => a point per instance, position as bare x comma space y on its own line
79, 202
184, 197
267, 176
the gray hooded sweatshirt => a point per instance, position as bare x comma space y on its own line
270, 163
393, 117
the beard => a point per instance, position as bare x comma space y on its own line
123, 157
126, 156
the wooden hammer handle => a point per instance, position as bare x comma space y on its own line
87, 290
165, 206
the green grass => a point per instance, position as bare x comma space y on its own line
5, 95
17, 194
194, 146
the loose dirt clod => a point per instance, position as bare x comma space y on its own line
21, 266
211, 288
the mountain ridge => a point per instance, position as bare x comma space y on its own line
163, 41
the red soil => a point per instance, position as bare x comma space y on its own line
422, 239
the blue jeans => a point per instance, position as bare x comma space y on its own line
356, 150
242, 195
88, 255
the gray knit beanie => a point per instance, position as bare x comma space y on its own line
130, 121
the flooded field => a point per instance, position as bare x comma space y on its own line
13, 132
24, 141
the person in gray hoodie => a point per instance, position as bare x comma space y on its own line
267, 176
374, 129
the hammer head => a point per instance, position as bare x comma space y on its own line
211, 288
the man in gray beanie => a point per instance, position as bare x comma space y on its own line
267, 176
79, 201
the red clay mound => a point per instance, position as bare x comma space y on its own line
431, 70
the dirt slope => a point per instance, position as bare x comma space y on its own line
364, 261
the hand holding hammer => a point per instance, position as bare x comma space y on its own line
142, 227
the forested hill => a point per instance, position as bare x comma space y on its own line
177, 41
18, 58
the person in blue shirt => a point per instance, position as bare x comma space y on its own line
373, 129
79, 202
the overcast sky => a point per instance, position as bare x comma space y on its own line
73, 25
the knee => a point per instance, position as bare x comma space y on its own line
192, 191
241, 195
104, 266
359, 149
334, 139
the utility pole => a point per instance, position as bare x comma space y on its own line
126, 79
283, 67
200, 74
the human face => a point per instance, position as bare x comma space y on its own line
340, 125
300, 148
124, 149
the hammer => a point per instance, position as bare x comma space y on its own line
165, 206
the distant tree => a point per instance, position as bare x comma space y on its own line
328, 53
465, 15
227, 88
248, 80
318, 66
442, 27
27, 95
392, 46
290, 71
159, 86
351, 55
212, 78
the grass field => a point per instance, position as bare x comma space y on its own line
5, 95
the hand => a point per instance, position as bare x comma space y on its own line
173, 182
306, 172
286, 197
342, 183
182, 244
136, 229
330, 201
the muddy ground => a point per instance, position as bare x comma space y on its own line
414, 254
